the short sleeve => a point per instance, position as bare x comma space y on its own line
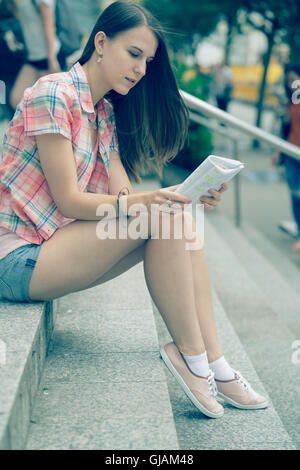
47, 109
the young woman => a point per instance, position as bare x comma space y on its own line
74, 144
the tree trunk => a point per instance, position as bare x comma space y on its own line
228, 39
266, 63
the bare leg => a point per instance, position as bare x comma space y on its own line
74, 259
169, 276
204, 305
127, 262
201, 293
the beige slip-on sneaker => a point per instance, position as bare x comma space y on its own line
200, 390
239, 393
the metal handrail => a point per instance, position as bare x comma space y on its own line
213, 112
212, 126
210, 111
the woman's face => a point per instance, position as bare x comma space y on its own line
125, 57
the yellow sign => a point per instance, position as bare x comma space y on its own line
247, 79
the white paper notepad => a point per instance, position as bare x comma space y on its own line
211, 174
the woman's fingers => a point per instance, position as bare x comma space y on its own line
224, 187
216, 196
208, 207
211, 200
168, 194
175, 197
172, 188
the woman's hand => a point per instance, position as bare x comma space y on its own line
148, 199
168, 195
211, 202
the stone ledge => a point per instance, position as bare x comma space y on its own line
103, 385
25, 333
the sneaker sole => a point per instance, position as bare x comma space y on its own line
292, 233
259, 406
185, 388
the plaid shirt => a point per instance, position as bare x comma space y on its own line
57, 104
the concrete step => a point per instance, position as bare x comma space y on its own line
103, 385
288, 270
237, 429
276, 277
25, 332
266, 335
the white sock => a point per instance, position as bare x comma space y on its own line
222, 369
198, 364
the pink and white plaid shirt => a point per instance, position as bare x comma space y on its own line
57, 104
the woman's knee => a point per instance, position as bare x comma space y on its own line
176, 225
152, 224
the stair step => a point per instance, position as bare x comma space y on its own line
237, 429
274, 285
288, 270
25, 332
265, 335
103, 385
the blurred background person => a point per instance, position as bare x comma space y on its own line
44, 52
12, 53
291, 131
223, 85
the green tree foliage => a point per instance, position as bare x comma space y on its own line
187, 21
279, 21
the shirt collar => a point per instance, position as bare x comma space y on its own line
104, 107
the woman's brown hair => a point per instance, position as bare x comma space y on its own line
152, 119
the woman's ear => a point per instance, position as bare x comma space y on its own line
99, 42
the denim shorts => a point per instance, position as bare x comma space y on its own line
15, 273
